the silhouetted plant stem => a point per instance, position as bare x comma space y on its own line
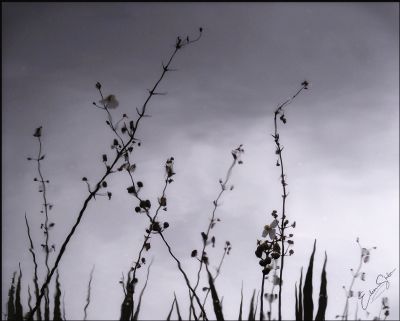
236, 159
57, 300
184, 275
346, 306
89, 288
63, 307
91, 195
308, 303
170, 311
29, 299
256, 308
18, 306
45, 204
35, 274
285, 194
262, 298
127, 305
70, 234
251, 310
42, 189
177, 308
136, 314
364, 258
10, 302
217, 304
241, 304
216, 276
323, 296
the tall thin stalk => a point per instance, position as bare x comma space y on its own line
279, 148
223, 183
35, 274
45, 208
262, 298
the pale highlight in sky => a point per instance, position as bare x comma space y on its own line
341, 142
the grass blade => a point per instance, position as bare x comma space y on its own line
301, 295
29, 300
170, 311
10, 304
63, 304
57, 300
255, 310
323, 297
214, 295
241, 304
88, 293
251, 312
297, 314
35, 275
308, 289
177, 308
136, 315
18, 306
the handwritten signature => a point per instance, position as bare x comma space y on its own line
383, 284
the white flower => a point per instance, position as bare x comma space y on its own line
270, 229
109, 102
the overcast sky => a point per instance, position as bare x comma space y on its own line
341, 141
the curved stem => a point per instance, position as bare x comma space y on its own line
215, 204
184, 275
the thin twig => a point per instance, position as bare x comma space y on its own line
35, 278
89, 288
184, 275
236, 159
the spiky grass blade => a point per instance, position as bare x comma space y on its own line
251, 312
63, 306
241, 304
35, 275
301, 295
136, 314
308, 289
57, 300
170, 311
298, 318
46, 304
177, 308
256, 308
19, 314
323, 296
10, 303
88, 294
29, 300
216, 302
